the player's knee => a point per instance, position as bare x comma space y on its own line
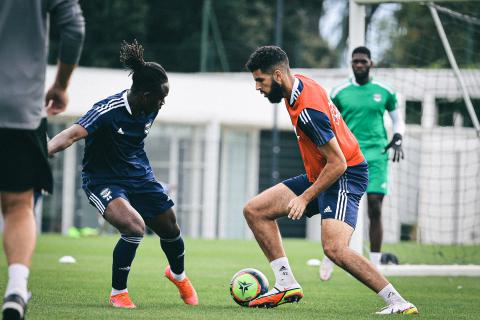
135, 228
250, 211
375, 214
169, 231
17, 208
334, 251
375, 207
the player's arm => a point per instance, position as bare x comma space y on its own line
317, 127
66, 138
56, 98
67, 18
333, 170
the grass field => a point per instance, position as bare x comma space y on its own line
80, 291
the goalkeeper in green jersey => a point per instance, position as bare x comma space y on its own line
362, 101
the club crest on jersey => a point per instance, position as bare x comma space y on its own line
334, 112
377, 97
106, 194
147, 127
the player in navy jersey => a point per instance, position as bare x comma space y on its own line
117, 176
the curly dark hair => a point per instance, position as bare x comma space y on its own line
363, 50
146, 76
266, 58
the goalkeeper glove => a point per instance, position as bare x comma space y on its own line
396, 145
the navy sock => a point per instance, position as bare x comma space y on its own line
175, 251
123, 255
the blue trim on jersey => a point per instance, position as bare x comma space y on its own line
95, 117
316, 125
114, 146
296, 91
94, 114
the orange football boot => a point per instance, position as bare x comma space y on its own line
276, 297
185, 288
122, 300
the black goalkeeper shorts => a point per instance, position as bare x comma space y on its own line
24, 160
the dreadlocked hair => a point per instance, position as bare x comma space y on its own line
131, 55
146, 76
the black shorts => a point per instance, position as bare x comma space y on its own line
24, 160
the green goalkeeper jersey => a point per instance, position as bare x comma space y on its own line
362, 107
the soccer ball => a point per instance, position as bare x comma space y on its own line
246, 285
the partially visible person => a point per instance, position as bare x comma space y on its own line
362, 101
118, 179
24, 168
335, 179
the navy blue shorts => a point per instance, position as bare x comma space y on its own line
341, 200
147, 197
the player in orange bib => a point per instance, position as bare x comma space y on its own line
335, 180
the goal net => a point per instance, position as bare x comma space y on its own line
432, 213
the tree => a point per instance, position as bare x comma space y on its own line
171, 32
415, 41
108, 22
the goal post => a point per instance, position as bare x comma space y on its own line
357, 38
443, 160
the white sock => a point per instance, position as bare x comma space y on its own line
390, 295
327, 262
375, 258
178, 277
283, 273
17, 280
115, 291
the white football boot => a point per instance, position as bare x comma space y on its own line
326, 269
399, 308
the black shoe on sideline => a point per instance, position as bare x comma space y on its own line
14, 307
389, 258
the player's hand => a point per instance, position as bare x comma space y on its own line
56, 100
396, 145
297, 207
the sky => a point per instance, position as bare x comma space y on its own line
377, 41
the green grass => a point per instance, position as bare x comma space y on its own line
81, 290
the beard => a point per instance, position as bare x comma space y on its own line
362, 76
276, 94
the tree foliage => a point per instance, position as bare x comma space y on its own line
415, 41
171, 32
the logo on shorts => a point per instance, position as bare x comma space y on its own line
147, 127
377, 97
327, 210
106, 194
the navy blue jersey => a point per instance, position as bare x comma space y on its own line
114, 147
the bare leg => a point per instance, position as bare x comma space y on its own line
335, 239
261, 213
375, 201
125, 218
19, 235
19, 239
164, 225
